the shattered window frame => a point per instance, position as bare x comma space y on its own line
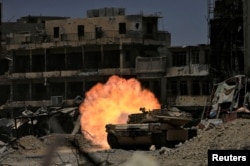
80, 31
183, 87
122, 28
173, 87
205, 88
56, 32
179, 58
196, 90
195, 57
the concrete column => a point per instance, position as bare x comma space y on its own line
11, 92
65, 90
83, 55
66, 58
11, 104
102, 56
1, 26
163, 90
121, 55
45, 59
178, 87
11, 64
83, 87
201, 87
30, 91
45, 70
30, 60
189, 87
246, 28
151, 84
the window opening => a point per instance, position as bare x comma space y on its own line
122, 28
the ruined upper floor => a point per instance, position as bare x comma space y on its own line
102, 26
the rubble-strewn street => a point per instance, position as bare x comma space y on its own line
113, 89
63, 149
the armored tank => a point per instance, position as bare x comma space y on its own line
159, 127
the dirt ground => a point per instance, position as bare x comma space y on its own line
73, 150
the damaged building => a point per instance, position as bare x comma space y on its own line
229, 37
52, 61
188, 77
68, 56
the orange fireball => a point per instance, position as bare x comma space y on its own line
111, 103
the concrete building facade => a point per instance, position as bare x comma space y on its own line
63, 58
228, 37
188, 77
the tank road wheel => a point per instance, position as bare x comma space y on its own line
112, 141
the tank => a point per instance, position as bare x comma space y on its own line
159, 127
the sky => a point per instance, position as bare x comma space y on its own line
184, 19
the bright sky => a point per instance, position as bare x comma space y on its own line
184, 19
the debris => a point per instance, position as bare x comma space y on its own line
140, 158
230, 99
165, 150
230, 135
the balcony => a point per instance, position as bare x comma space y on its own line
117, 71
49, 74
150, 66
39, 103
72, 73
191, 102
191, 70
32, 41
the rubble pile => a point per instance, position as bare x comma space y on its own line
231, 135
30, 146
54, 149
29, 149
